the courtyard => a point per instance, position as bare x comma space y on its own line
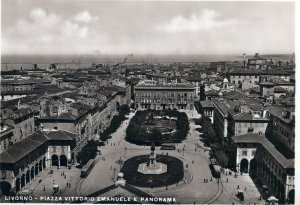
190, 189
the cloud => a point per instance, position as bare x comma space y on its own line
84, 17
47, 27
42, 31
205, 20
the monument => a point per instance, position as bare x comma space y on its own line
152, 166
120, 181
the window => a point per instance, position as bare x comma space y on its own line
244, 153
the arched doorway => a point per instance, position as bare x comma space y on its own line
5, 188
41, 165
23, 181
63, 160
291, 196
32, 172
18, 181
244, 166
253, 167
28, 176
54, 159
36, 168
44, 163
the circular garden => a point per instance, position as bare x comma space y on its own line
173, 175
158, 126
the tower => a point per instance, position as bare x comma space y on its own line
244, 59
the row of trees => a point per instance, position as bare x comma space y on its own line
137, 134
89, 151
222, 150
115, 122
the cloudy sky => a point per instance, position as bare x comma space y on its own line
120, 27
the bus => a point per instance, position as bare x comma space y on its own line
168, 146
87, 168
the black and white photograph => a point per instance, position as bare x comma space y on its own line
148, 102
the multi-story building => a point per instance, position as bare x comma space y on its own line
282, 128
207, 109
23, 122
196, 81
220, 117
253, 77
22, 162
22, 85
6, 134
168, 96
257, 156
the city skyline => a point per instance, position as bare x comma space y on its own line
185, 28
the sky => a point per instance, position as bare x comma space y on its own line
146, 27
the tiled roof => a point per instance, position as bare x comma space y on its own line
261, 139
279, 90
224, 107
279, 112
212, 93
22, 148
266, 83
60, 135
206, 103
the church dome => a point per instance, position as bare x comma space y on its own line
225, 80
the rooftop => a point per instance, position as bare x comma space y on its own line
206, 103
22, 148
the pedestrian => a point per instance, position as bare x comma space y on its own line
245, 188
227, 180
44, 187
70, 185
210, 178
204, 181
114, 144
238, 186
67, 184
63, 173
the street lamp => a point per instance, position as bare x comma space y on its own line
120, 162
114, 169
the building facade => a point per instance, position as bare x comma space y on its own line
158, 97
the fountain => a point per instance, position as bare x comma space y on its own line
152, 166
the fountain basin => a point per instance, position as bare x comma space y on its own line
157, 168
